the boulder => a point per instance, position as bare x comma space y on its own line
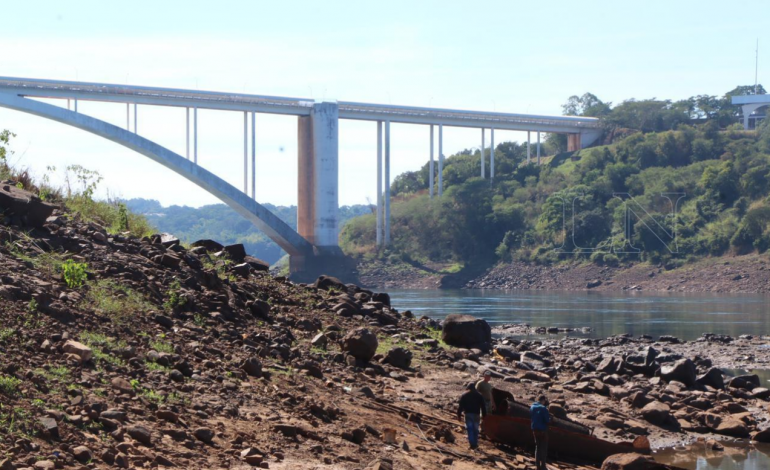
82, 454
79, 349
761, 436
205, 435
252, 366
140, 434
630, 462
209, 245
257, 263
28, 207
360, 343
682, 370
320, 341
712, 378
382, 298
508, 352
329, 282
610, 365
235, 252
732, 427
745, 382
398, 357
657, 413
466, 331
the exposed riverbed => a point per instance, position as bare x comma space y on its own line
599, 315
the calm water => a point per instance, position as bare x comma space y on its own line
686, 316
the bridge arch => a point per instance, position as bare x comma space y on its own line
280, 232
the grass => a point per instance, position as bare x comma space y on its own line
15, 421
60, 373
6, 334
9, 386
154, 366
162, 346
386, 343
220, 266
49, 263
98, 342
118, 302
436, 334
110, 215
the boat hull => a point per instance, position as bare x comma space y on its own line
562, 443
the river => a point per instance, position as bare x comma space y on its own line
686, 316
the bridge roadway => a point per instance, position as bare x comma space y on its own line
318, 145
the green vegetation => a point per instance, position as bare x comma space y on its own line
9, 386
75, 274
98, 343
162, 346
118, 302
608, 204
174, 300
220, 222
80, 185
16, 421
6, 334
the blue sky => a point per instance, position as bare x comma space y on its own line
526, 57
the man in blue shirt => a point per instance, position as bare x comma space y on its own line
540, 418
472, 403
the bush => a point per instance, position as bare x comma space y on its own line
9, 386
75, 274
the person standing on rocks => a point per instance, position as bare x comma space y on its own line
540, 418
485, 389
472, 404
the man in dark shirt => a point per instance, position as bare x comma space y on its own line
472, 404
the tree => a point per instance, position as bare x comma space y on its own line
586, 105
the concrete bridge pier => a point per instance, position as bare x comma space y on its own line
318, 189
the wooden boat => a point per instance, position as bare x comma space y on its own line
566, 438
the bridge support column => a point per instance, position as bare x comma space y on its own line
538, 147
386, 218
573, 142
529, 150
440, 160
379, 183
483, 170
430, 167
318, 197
492, 154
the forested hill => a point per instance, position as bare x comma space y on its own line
654, 153
220, 222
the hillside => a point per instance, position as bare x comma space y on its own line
125, 352
220, 222
672, 182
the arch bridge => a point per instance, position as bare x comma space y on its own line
318, 137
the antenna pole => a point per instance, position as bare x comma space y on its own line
756, 70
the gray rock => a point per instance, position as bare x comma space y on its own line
466, 331
682, 370
361, 344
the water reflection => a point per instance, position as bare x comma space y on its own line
684, 315
735, 456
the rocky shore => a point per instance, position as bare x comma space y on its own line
727, 274
142, 353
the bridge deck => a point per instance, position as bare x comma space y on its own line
293, 106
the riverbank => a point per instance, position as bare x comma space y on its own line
726, 274
123, 352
